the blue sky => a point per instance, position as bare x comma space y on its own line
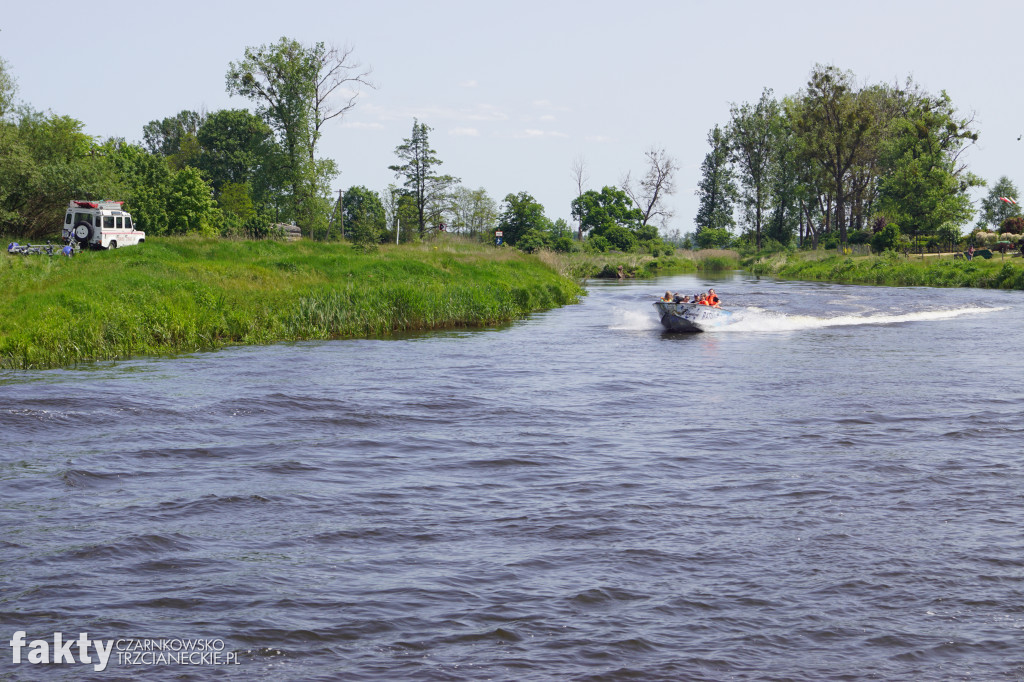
515, 91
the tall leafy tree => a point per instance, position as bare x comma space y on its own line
419, 168
190, 205
717, 189
45, 160
161, 200
147, 178
785, 188
521, 215
925, 185
234, 147
833, 125
473, 210
235, 201
8, 89
364, 215
885, 104
753, 134
291, 85
174, 136
600, 211
994, 211
400, 212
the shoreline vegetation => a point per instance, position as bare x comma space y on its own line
893, 269
581, 265
189, 294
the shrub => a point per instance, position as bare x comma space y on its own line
647, 233
887, 239
859, 237
565, 245
530, 241
620, 238
712, 238
1014, 224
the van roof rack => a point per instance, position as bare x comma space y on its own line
105, 203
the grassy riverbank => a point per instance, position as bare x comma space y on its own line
582, 265
894, 270
182, 295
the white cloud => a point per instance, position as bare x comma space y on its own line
549, 105
535, 133
464, 132
468, 84
431, 114
362, 125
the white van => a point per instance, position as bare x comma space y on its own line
100, 224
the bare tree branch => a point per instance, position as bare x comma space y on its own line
580, 177
658, 183
335, 68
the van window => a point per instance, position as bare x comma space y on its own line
67, 219
119, 223
80, 217
128, 223
108, 222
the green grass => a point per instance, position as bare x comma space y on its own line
894, 270
181, 295
583, 265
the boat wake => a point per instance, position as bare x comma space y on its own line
759, 320
633, 320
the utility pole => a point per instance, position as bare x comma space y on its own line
341, 212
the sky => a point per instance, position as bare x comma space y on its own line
516, 92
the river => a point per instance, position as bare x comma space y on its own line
830, 489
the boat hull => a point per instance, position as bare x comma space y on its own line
691, 317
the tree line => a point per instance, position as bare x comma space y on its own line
835, 163
236, 172
842, 163
230, 172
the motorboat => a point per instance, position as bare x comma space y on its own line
691, 317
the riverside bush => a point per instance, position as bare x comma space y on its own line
894, 270
718, 263
583, 265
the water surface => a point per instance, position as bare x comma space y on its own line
830, 489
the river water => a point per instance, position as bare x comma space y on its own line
832, 488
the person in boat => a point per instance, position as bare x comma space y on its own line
713, 300
667, 297
700, 300
679, 298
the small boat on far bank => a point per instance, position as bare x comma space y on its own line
691, 317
